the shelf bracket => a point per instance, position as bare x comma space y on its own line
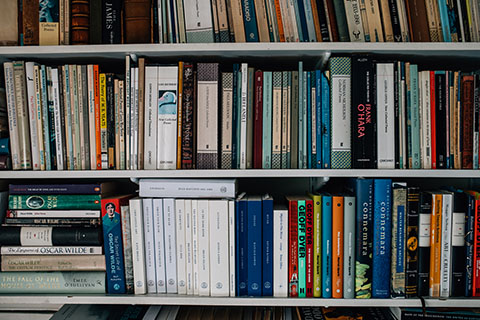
134, 57
135, 180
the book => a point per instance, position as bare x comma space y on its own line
188, 188
78, 188
137, 21
424, 227
151, 116
267, 246
349, 213
198, 22
231, 247
386, 126
127, 248
435, 245
337, 246
399, 211
412, 238
241, 245
60, 202
138, 247
51, 250
219, 248
302, 248
111, 22
326, 246
180, 240
50, 236
254, 247
280, 251
49, 23
159, 238
52, 263
169, 219
149, 238
293, 281
92, 214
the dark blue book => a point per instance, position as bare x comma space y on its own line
267, 247
364, 235
326, 131
254, 246
241, 245
235, 116
309, 120
318, 118
326, 246
4, 143
250, 21
303, 21
382, 197
79, 188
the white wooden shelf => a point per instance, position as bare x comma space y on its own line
250, 173
166, 299
240, 50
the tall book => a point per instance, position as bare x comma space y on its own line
459, 232
49, 23
159, 237
111, 22
219, 247
254, 247
411, 250
317, 244
354, 20
80, 23
326, 246
149, 237
280, 251
226, 122
138, 250
302, 248
207, 123
241, 244
435, 245
424, 224
349, 213
364, 236
151, 116
198, 22
337, 246
385, 107
399, 211
169, 218
446, 245
267, 246
340, 78
188, 116
137, 21
267, 120
293, 246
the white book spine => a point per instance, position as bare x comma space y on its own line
12, 115
151, 116
138, 248
132, 117
170, 245
219, 266
188, 246
195, 245
340, 102
426, 121
243, 119
231, 246
167, 118
32, 111
57, 120
81, 109
180, 241
128, 86
280, 252
51, 250
188, 188
354, 20
385, 116
135, 122
227, 109
159, 245
203, 248
91, 116
198, 20
446, 243
160, 24
403, 128
148, 230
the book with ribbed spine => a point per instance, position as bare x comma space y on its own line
80, 23
58, 282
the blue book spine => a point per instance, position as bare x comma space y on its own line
4, 143
254, 247
382, 196
309, 120
241, 247
267, 248
326, 130
113, 245
250, 21
326, 246
235, 116
415, 116
318, 118
301, 20
442, 7
309, 19
267, 120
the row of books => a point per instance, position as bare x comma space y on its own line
360, 112
154, 21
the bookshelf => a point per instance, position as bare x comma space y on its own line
317, 52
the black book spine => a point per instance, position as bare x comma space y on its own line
411, 266
155, 21
460, 208
110, 120
60, 236
466, 28
62, 116
424, 218
396, 106
397, 32
363, 111
38, 222
51, 121
188, 105
469, 245
440, 120
111, 21
95, 36
322, 17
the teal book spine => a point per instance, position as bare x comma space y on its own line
289, 119
91, 282
42, 202
250, 21
309, 119
302, 249
305, 128
442, 8
326, 246
267, 120
309, 19
340, 104
415, 116
45, 121
300, 115
298, 21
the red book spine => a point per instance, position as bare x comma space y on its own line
258, 121
96, 93
467, 89
293, 243
309, 240
476, 251
432, 119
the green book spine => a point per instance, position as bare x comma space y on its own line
52, 282
415, 117
301, 134
267, 120
302, 250
36, 202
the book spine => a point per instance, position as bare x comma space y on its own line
318, 120
326, 246
198, 22
188, 247
416, 164
424, 227
459, 217
354, 21
50, 236
446, 245
12, 115
111, 22
164, 188
341, 20
170, 245
276, 159
103, 120
47, 189
309, 238
80, 23
280, 252
149, 245
397, 35
476, 252
52, 263
326, 125
349, 247
317, 245
59, 202
57, 250
97, 122
241, 247
341, 152
441, 119
254, 240
59, 132
219, 247
231, 249
127, 248
138, 247
226, 126
302, 268
151, 114
267, 247
386, 127
109, 92
32, 109
293, 272
435, 246
159, 237
399, 212
49, 24
412, 227
180, 223
337, 246
284, 120
53, 214
203, 248
45, 222
188, 105
267, 120
20, 85
467, 89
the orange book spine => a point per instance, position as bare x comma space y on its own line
435, 246
316, 21
96, 92
337, 247
179, 115
278, 13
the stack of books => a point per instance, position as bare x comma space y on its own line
51, 239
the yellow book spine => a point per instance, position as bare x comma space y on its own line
103, 121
